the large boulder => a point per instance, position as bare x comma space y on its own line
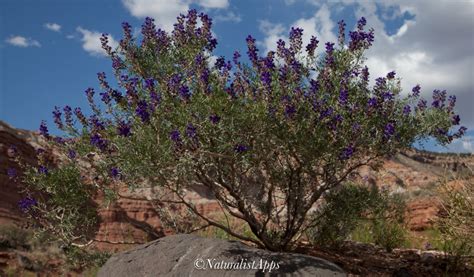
191, 255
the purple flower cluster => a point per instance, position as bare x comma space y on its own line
406, 110
342, 28
115, 172
365, 74
191, 131
329, 53
439, 97
43, 170
142, 111
124, 129
68, 115
416, 91
296, 39
347, 153
214, 118
57, 117
391, 75
240, 148
80, 116
71, 154
389, 130
312, 45
343, 96
44, 129
99, 142
27, 203
252, 50
175, 136
359, 38
11, 172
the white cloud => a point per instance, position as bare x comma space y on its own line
53, 27
289, 2
230, 16
70, 36
21, 41
462, 145
467, 144
319, 25
213, 4
165, 11
273, 32
91, 42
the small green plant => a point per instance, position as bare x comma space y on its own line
14, 237
389, 234
79, 258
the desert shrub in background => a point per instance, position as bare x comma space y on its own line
268, 137
340, 214
457, 222
14, 237
360, 213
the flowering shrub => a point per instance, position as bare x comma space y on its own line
268, 138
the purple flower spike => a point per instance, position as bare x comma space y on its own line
124, 129
115, 172
11, 172
347, 153
191, 131
42, 170
391, 75
406, 110
389, 130
240, 148
456, 119
175, 136
25, 204
343, 96
311, 47
252, 49
214, 118
142, 111
184, 92
71, 154
416, 91
44, 129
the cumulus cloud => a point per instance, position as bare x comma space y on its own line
53, 27
213, 4
165, 11
21, 41
91, 41
230, 16
319, 25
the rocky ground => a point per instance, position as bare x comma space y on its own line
133, 220
359, 259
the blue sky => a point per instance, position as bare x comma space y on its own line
50, 53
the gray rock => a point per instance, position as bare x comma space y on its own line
190, 255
